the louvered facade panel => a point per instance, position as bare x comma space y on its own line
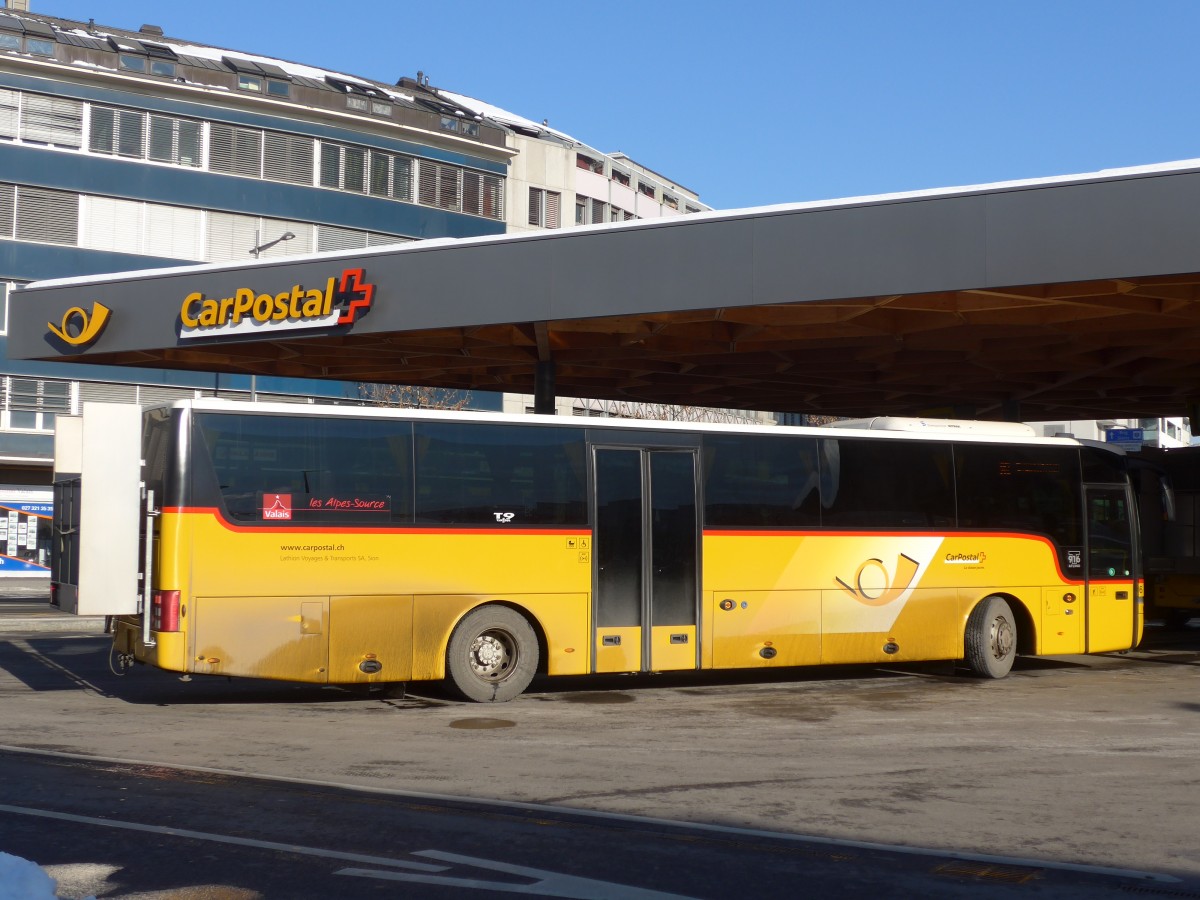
237, 151
229, 237
427, 187
174, 232
109, 224
102, 392
402, 178
8, 206
288, 158
303, 242
10, 104
375, 239
472, 193
51, 217
493, 196
330, 237
51, 120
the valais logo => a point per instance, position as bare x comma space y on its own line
277, 506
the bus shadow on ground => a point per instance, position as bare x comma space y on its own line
54, 663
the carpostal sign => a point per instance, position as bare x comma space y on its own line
338, 302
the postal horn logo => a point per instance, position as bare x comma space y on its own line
340, 301
873, 585
79, 327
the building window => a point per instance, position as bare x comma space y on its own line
449, 123
250, 83
40, 46
439, 185
591, 165
117, 131
288, 157
237, 151
620, 177
278, 88
544, 208
358, 104
162, 67
48, 217
470, 128
174, 141
52, 120
343, 167
670, 201
691, 209
9, 41
381, 109
30, 404
131, 63
645, 188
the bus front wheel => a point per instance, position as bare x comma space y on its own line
991, 639
492, 656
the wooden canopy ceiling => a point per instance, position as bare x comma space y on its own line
1058, 351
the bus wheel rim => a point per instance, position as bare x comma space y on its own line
492, 655
1003, 637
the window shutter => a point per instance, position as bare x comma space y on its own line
375, 239
428, 182
162, 139
380, 174
331, 165
493, 196
10, 103
598, 211
237, 151
402, 178
330, 237
8, 205
103, 130
472, 195
448, 187
51, 217
553, 206
288, 158
51, 120
354, 171
229, 237
535, 207
174, 232
109, 224
130, 129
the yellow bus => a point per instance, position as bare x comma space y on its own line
346, 545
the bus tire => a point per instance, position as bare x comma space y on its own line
492, 655
991, 639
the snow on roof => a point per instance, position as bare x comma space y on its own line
216, 53
503, 116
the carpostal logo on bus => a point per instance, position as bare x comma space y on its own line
341, 301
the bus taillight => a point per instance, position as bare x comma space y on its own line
164, 613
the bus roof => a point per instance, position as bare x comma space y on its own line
983, 432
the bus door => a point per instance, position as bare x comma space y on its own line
1112, 570
646, 554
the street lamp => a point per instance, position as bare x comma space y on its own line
259, 248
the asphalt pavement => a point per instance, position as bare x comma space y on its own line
25, 606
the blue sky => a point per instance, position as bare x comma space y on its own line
764, 102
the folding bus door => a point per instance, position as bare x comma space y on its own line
646, 560
1112, 575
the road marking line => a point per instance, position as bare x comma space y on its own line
546, 884
222, 839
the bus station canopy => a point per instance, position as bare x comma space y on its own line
1064, 298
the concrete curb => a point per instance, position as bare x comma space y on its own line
88, 624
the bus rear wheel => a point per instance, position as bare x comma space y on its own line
492, 655
991, 639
